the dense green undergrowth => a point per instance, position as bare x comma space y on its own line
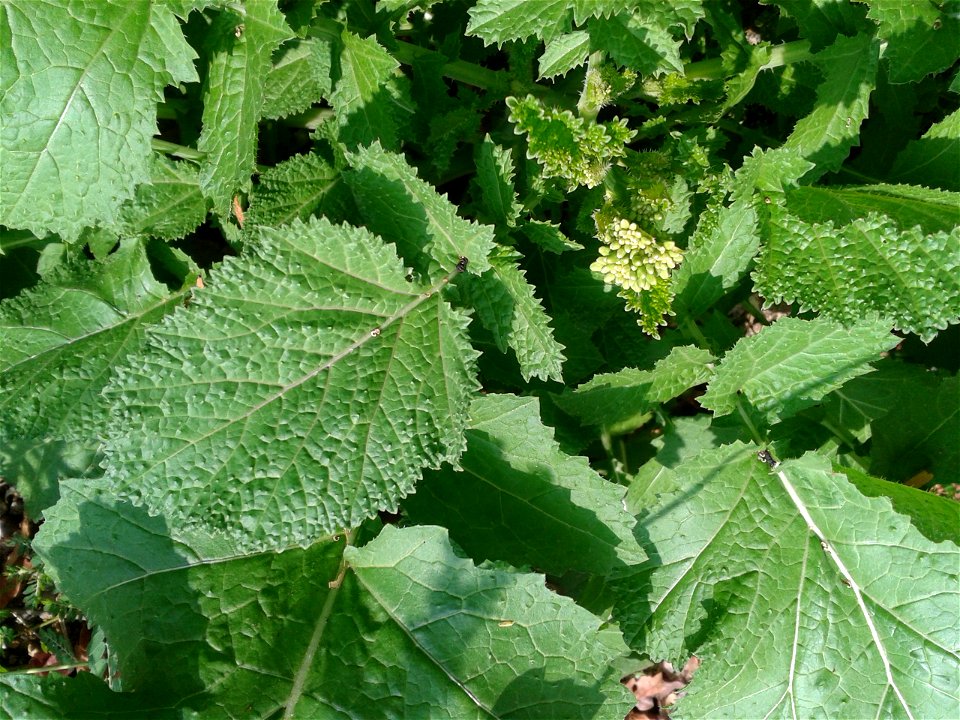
413, 359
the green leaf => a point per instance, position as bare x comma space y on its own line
793, 363
60, 341
865, 399
79, 107
797, 592
304, 390
921, 37
83, 697
300, 77
613, 399
494, 181
638, 42
522, 500
934, 159
921, 433
826, 135
501, 638
364, 99
425, 226
721, 250
820, 21
868, 266
564, 53
548, 236
403, 611
506, 306
906, 205
499, 21
297, 188
169, 206
241, 49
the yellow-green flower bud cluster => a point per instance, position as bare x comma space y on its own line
632, 259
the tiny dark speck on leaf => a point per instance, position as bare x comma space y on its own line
462, 264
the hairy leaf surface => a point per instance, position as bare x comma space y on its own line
242, 46
870, 265
79, 106
796, 591
302, 391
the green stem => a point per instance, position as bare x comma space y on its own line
785, 54
180, 151
587, 108
459, 70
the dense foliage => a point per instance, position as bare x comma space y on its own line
413, 359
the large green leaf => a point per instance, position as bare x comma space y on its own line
497, 21
793, 363
59, 343
800, 595
302, 391
868, 266
907, 205
519, 498
401, 627
79, 84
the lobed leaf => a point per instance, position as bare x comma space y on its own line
304, 390
79, 107
499, 21
793, 363
796, 591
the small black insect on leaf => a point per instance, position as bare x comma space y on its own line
767, 458
462, 264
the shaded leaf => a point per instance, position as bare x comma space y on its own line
60, 342
519, 498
